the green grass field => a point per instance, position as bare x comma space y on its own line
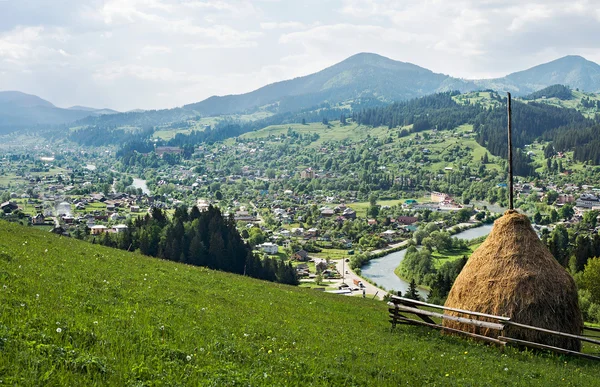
78, 314
440, 258
362, 207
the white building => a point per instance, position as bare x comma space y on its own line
269, 248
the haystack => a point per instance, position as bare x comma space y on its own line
513, 274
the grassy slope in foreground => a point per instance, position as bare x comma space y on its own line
74, 313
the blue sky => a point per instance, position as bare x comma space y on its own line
127, 54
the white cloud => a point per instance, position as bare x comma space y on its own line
16, 44
161, 53
291, 25
150, 50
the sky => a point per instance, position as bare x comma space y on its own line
152, 54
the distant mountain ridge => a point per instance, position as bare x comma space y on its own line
572, 70
21, 111
361, 78
372, 76
93, 110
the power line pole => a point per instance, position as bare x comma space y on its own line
510, 157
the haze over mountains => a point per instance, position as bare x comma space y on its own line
361, 77
20, 110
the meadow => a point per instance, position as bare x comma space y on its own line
78, 314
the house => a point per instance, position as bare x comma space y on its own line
134, 208
349, 213
587, 201
161, 150
372, 222
269, 248
565, 198
244, 216
8, 206
302, 270
38, 219
388, 235
98, 229
119, 228
300, 255
297, 231
327, 212
308, 173
406, 220
312, 233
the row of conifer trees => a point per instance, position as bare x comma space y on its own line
198, 238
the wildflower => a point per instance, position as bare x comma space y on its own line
45, 251
505, 368
466, 352
37, 296
270, 351
22, 305
188, 358
58, 330
162, 327
246, 335
95, 322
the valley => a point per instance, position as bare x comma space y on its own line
300, 185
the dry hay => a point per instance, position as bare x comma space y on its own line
513, 274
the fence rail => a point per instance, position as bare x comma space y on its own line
499, 323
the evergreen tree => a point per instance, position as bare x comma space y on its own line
412, 292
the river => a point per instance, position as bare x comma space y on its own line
139, 183
381, 270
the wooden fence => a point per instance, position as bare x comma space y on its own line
399, 305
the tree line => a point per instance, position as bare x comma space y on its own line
200, 239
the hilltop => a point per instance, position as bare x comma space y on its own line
361, 76
81, 314
20, 110
572, 70
362, 80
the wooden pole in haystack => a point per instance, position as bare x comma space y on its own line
510, 158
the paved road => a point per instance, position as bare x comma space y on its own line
343, 267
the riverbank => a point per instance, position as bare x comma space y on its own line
380, 271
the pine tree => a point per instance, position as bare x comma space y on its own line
412, 292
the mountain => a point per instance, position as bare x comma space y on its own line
362, 76
572, 70
363, 79
367, 77
23, 111
93, 110
17, 99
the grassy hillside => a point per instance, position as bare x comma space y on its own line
79, 314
